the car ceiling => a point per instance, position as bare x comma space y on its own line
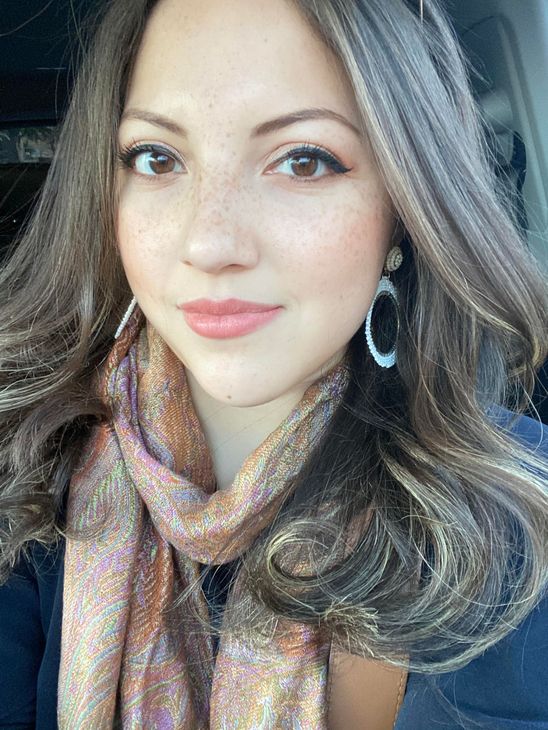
38, 42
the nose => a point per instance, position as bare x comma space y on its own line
218, 233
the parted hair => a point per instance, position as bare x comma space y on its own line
455, 551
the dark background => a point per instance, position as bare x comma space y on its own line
39, 47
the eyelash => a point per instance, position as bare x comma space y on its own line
127, 156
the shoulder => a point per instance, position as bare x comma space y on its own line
30, 638
506, 687
32, 587
503, 689
30, 614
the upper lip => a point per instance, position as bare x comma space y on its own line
224, 306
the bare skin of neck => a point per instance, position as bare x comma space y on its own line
234, 432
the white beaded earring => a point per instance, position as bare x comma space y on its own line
385, 288
125, 318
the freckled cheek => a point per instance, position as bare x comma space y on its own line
148, 247
344, 255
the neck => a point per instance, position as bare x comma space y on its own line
234, 432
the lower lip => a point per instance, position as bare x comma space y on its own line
220, 327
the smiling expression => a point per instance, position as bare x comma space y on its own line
243, 174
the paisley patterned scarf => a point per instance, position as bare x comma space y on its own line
149, 474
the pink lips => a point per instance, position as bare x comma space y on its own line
227, 318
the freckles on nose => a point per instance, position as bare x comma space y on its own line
215, 183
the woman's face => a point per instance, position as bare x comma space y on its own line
219, 200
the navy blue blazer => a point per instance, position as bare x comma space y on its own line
506, 688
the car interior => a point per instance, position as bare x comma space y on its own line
506, 42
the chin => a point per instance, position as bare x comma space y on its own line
240, 395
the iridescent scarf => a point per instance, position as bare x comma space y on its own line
123, 655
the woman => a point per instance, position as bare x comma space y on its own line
332, 317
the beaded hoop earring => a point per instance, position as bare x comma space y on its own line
385, 288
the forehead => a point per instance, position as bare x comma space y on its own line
236, 54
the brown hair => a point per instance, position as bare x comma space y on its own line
426, 444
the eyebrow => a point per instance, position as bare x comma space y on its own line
302, 115
261, 130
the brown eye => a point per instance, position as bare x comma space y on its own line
155, 162
150, 161
304, 166
310, 163
159, 162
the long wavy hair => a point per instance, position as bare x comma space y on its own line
426, 446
